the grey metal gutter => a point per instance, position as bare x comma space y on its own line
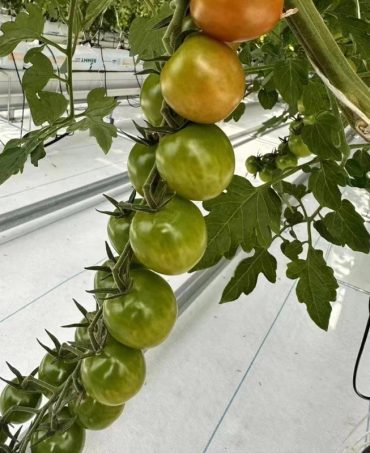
41, 208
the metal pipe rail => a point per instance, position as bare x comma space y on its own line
119, 84
87, 194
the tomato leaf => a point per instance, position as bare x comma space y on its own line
315, 98
37, 154
290, 76
359, 30
316, 286
359, 165
245, 215
358, 168
293, 216
27, 25
347, 227
323, 231
297, 191
237, 113
324, 136
324, 184
38, 75
98, 106
12, 160
247, 273
94, 9
268, 99
149, 44
46, 106
16, 152
292, 249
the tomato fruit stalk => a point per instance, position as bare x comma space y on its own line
104, 280
71, 440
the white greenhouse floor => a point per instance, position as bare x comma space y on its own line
253, 376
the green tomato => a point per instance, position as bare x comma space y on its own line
82, 333
267, 173
298, 147
118, 231
172, 240
139, 165
71, 441
115, 375
145, 316
197, 162
151, 99
203, 81
55, 370
12, 397
285, 161
252, 165
103, 280
93, 415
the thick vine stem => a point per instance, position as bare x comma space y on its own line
330, 64
175, 26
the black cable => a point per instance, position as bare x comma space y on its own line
358, 360
139, 85
57, 139
105, 70
23, 96
137, 78
135, 106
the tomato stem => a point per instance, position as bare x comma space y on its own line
174, 28
70, 51
287, 173
330, 64
121, 271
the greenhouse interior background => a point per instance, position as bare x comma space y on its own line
255, 375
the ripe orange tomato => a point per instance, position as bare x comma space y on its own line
203, 81
236, 20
